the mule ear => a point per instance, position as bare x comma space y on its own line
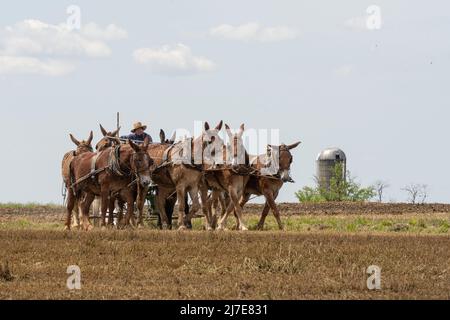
242, 129
174, 136
207, 127
91, 137
104, 132
115, 133
220, 125
134, 146
162, 136
228, 129
293, 146
77, 143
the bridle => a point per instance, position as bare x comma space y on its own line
268, 163
134, 170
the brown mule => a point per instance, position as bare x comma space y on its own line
178, 174
110, 140
116, 168
269, 186
229, 178
82, 147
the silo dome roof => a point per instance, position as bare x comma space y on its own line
332, 154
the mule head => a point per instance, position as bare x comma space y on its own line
162, 137
236, 149
109, 139
285, 159
210, 135
84, 145
212, 144
140, 162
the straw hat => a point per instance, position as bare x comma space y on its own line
138, 125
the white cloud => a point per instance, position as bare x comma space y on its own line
111, 32
344, 70
254, 32
27, 65
30, 42
176, 59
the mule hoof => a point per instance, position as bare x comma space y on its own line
182, 228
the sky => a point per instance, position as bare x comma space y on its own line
369, 77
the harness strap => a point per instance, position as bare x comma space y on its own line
113, 161
94, 163
166, 153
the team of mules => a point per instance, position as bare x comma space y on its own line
206, 169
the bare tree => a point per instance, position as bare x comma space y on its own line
423, 195
380, 186
417, 192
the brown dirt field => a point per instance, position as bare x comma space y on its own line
324, 255
148, 264
49, 214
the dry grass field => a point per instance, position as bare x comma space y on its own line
321, 256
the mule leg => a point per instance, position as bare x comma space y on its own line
170, 208
270, 198
130, 209
181, 196
213, 203
140, 202
222, 224
121, 205
207, 209
196, 207
263, 217
161, 198
104, 206
112, 207
76, 215
244, 199
238, 210
70, 205
85, 206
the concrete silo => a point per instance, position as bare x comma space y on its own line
326, 162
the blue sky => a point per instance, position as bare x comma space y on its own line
309, 68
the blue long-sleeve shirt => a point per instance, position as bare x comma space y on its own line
138, 138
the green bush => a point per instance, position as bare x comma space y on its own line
340, 189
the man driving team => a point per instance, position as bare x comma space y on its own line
138, 133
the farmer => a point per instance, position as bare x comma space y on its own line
138, 133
